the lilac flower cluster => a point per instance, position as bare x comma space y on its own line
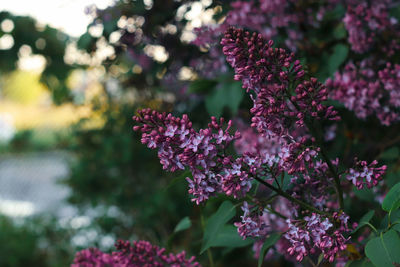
365, 175
270, 73
287, 108
267, 17
253, 223
135, 254
366, 24
366, 91
316, 234
180, 146
259, 223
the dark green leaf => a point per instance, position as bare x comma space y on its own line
216, 222
383, 251
228, 237
178, 179
320, 258
359, 263
364, 220
201, 86
269, 242
184, 224
364, 194
227, 95
338, 56
396, 227
391, 153
392, 199
84, 41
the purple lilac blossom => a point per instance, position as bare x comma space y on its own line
367, 91
366, 24
180, 146
315, 234
365, 175
135, 254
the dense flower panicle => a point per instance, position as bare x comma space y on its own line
180, 146
366, 23
93, 257
268, 72
365, 175
390, 80
256, 62
315, 234
246, 14
366, 91
135, 254
259, 223
313, 185
251, 225
300, 157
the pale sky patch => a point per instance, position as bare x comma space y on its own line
66, 15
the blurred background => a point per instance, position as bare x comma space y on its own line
73, 174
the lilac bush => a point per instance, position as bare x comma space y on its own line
276, 158
288, 105
135, 254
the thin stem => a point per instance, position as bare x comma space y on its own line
289, 197
317, 136
335, 177
372, 227
209, 254
276, 213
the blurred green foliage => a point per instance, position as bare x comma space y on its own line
34, 242
42, 40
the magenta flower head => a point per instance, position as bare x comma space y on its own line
203, 152
135, 254
284, 98
315, 234
365, 175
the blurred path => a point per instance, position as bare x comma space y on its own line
29, 184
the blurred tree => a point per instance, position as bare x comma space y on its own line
19, 31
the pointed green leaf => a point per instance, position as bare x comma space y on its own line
392, 199
364, 220
359, 263
226, 95
383, 251
336, 59
269, 242
228, 237
216, 222
184, 224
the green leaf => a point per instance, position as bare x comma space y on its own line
383, 251
392, 199
390, 154
84, 41
337, 58
228, 237
216, 222
364, 220
320, 258
227, 95
269, 242
339, 32
359, 263
177, 179
184, 224
201, 86
364, 194
396, 227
